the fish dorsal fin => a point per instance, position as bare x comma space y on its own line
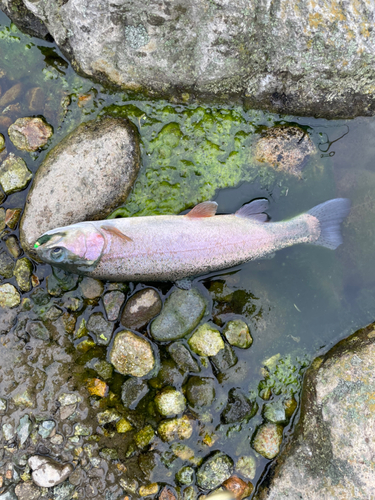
205, 209
254, 210
114, 231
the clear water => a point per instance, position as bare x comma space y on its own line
304, 299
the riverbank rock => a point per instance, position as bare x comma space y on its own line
84, 177
331, 454
290, 57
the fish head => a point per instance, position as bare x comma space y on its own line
74, 248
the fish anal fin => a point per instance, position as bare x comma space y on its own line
254, 210
205, 209
114, 231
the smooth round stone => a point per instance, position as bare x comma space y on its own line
14, 174
91, 288
47, 472
170, 402
214, 471
200, 392
181, 313
132, 354
237, 334
267, 440
141, 308
30, 134
206, 341
9, 297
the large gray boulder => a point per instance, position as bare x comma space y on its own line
85, 177
297, 57
332, 453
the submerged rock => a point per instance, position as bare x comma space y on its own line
214, 470
332, 448
170, 402
47, 472
200, 391
182, 357
238, 408
6, 265
10, 95
237, 334
132, 354
112, 304
206, 341
267, 440
175, 428
182, 312
23, 271
141, 308
30, 134
14, 174
101, 328
86, 176
133, 390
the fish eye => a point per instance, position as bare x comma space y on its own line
57, 254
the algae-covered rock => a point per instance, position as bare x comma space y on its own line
238, 408
102, 154
170, 402
181, 313
6, 264
175, 428
237, 334
132, 354
141, 308
215, 469
23, 271
30, 134
9, 297
14, 174
37, 330
168, 375
206, 341
144, 437
332, 447
224, 359
246, 466
267, 440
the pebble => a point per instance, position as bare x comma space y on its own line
144, 437
132, 354
2, 214
10, 95
35, 99
151, 489
91, 288
67, 411
275, 412
183, 358
185, 475
97, 387
167, 494
168, 375
133, 390
238, 408
170, 402
3, 405
12, 216
22, 272
45, 428
9, 494
24, 429
123, 426
27, 491
141, 308
66, 399
246, 466
29, 133
112, 304
200, 391
182, 312
224, 359
8, 432
217, 468
13, 246
101, 328
238, 487
206, 341
175, 428
9, 297
47, 472
37, 330
108, 416
14, 174
237, 334
267, 440
103, 369
6, 265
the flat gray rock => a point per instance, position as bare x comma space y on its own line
332, 453
296, 57
85, 177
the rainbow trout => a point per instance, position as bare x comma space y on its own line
173, 247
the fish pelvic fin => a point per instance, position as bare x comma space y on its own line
205, 209
254, 210
114, 231
330, 215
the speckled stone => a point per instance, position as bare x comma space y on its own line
246, 466
9, 297
175, 428
267, 440
112, 304
14, 174
237, 334
23, 271
48, 472
206, 341
91, 288
170, 402
132, 354
141, 308
215, 469
29, 133
331, 453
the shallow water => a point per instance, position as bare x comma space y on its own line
304, 299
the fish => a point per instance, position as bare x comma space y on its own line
176, 247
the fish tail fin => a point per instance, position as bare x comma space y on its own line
330, 215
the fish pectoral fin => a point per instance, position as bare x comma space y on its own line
114, 231
205, 209
254, 210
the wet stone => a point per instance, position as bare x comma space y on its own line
14, 174
144, 437
67, 411
23, 399
9, 297
12, 216
3, 405
2, 142
30, 134
8, 432
10, 95
181, 313
246, 466
35, 99
103, 369
200, 392
175, 428
101, 328
239, 488
97, 387
45, 428
275, 412
27, 491
141, 308
72, 301
267, 440
13, 247
214, 471
24, 429
112, 304
63, 491
169, 374
206, 341
6, 265
123, 426
108, 416
185, 475
9, 494
170, 402
167, 494
132, 354
48, 472
37, 330
151, 489
133, 390
22, 271
82, 430
2, 214
109, 453
8, 318
60, 281
66, 399
183, 358
238, 408
190, 493
91, 288
224, 359
237, 334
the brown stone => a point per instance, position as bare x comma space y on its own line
97, 387
239, 488
30, 134
5, 121
10, 95
35, 99
167, 494
12, 216
141, 308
